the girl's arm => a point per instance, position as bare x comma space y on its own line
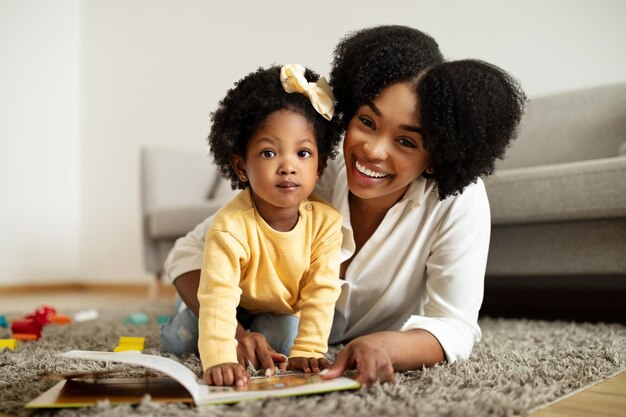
318, 296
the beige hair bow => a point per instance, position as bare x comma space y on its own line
319, 93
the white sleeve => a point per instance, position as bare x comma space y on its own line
186, 255
455, 273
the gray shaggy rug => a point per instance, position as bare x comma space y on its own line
519, 366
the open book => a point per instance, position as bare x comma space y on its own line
258, 387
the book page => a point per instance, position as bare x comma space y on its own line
168, 366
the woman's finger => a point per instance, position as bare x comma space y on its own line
340, 365
366, 368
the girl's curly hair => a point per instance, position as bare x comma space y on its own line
470, 111
368, 60
248, 104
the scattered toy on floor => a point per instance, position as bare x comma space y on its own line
137, 319
60, 319
130, 343
86, 315
8, 344
30, 326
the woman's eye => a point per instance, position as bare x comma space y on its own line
367, 122
305, 153
407, 142
268, 154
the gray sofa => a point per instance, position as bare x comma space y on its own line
179, 189
558, 200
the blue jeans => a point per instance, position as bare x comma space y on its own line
180, 334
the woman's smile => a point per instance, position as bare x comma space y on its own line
370, 173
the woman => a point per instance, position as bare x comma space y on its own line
419, 134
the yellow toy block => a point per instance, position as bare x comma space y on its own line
8, 344
130, 343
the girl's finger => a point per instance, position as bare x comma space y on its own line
314, 366
216, 373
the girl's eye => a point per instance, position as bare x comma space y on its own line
305, 153
268, 154
366, 122
407, 142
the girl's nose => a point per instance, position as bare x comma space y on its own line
286, 167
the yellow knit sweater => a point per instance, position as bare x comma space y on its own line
247, 263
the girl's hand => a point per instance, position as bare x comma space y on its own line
307, 365
253, 348
369, 356
226, 374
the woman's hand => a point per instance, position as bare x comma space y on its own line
253, 348
226, 374
369, 356
307, 365
378, 355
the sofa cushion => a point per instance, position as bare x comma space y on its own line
173, 222
569, 191
572, 126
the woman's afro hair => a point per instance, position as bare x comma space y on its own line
368, 60
248, 104
470, 111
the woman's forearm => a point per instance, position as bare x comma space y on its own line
187, 288
413, 349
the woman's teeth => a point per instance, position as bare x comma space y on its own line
368, 172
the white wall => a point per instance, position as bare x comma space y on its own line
151, 72
39, 152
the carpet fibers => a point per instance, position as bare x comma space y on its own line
518, 366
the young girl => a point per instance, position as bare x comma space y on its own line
272, 253
419, 134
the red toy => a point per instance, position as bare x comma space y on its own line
27, 326
43, 314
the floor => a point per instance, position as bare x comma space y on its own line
606, 399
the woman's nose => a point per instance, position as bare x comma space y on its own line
375, 150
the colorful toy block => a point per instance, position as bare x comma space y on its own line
27, 326
8, 344
60, 319
130, 343
26, 336
86, 315
137, 319
3, 321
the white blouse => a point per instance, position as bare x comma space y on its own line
423, 268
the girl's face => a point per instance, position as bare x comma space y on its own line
281, 161
383, 146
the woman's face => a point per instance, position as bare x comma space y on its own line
383, 146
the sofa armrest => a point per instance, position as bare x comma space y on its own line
559, 192
172, 177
